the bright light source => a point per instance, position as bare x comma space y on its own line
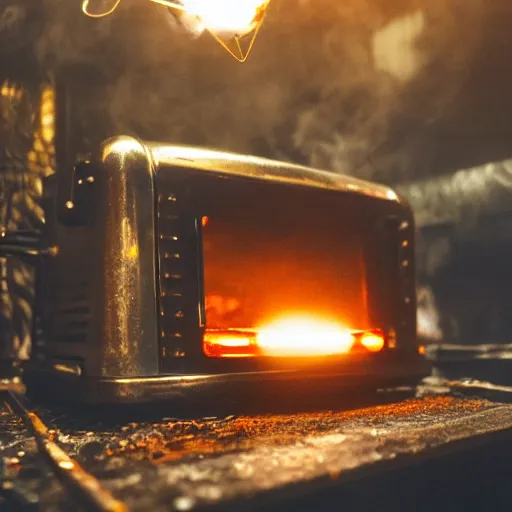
304, 337
233, 23
373, 341
229, 343
231, 17
289, 337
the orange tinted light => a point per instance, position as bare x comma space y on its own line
289, 337
373, 341
229, 343
304, 337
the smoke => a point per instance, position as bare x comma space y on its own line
347, 86
429, 320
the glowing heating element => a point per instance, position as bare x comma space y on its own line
291, 337
304, 337
230, 343
277, 287
373, 341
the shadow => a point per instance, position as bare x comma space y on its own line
261, 400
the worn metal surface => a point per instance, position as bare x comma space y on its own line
461, 197
162, 463
233, 164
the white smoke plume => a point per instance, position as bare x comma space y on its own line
339, 85
429, 320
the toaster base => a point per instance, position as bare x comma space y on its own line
47, 384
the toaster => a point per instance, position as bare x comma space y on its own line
172, 270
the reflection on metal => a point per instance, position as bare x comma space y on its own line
129, 334
234, 24
255, 167
466, 194
71, 369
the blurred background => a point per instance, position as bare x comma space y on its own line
416, 94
